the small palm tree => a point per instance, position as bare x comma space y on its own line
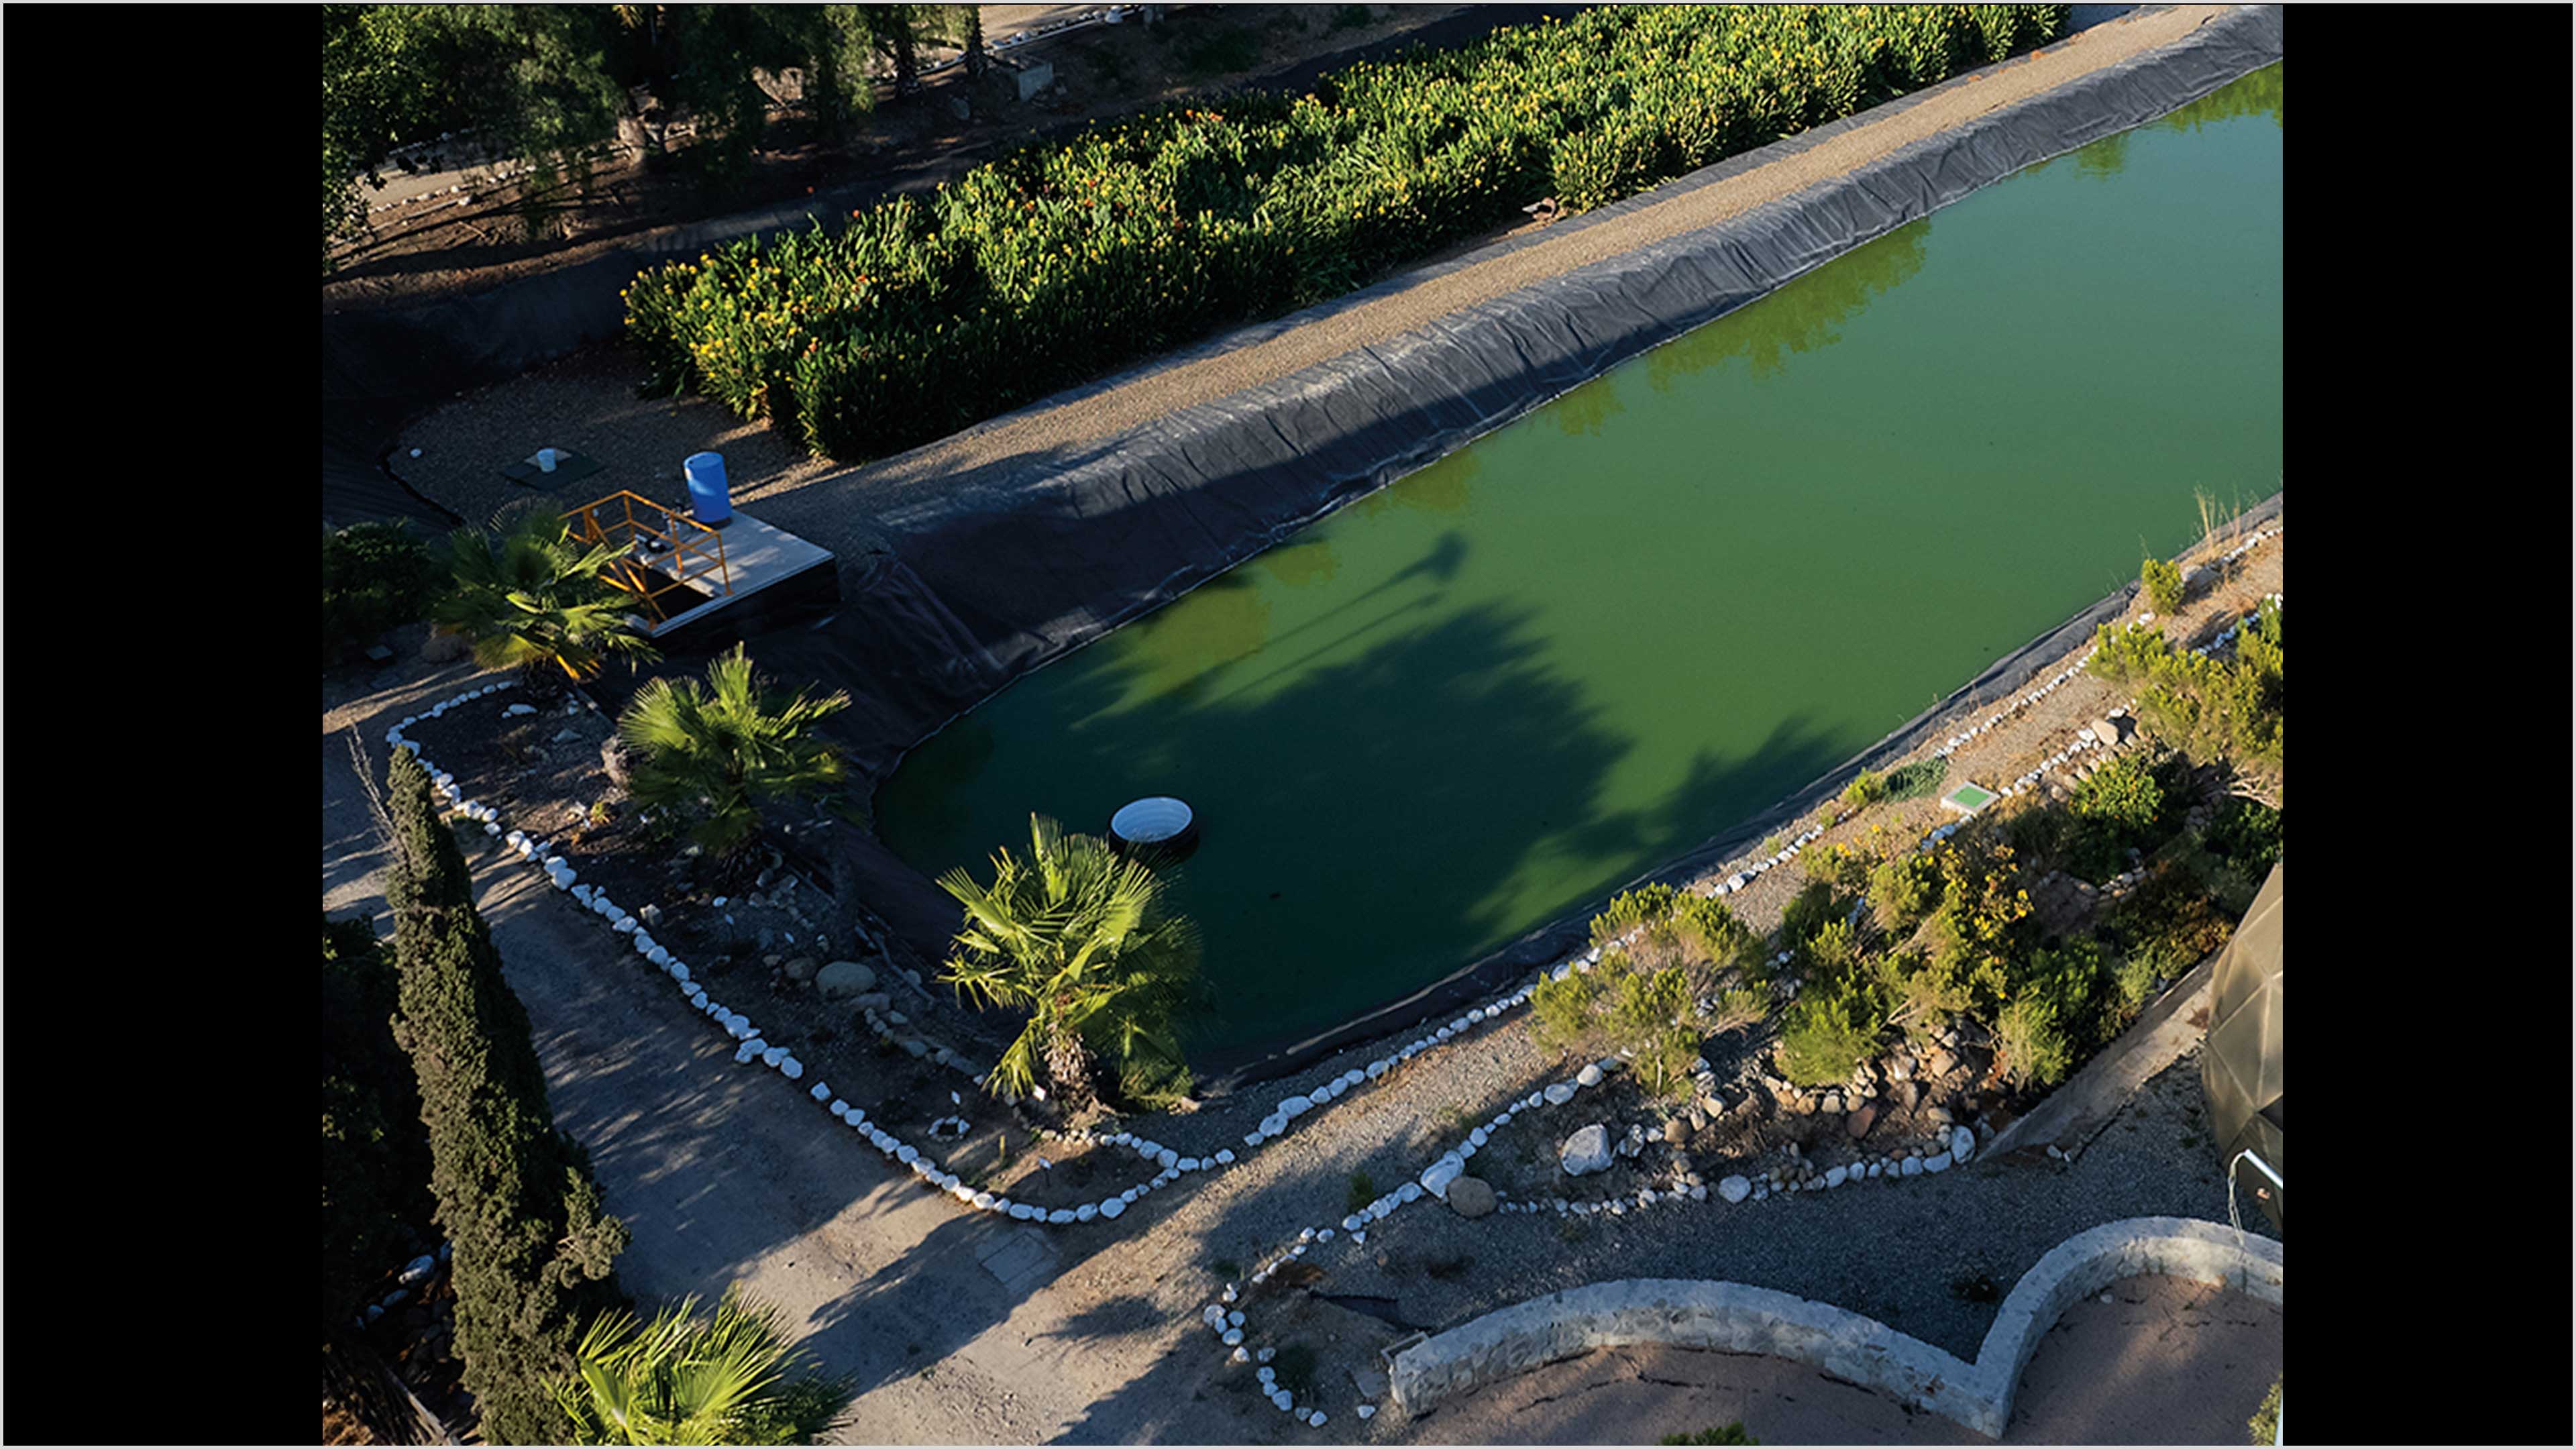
682, 1380
536, 602
1081, 939
721, 751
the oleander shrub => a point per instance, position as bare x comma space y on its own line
375, 577
2247, 835
1067, 258
2161, 581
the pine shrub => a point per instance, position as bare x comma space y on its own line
1827, 1031
1866, 789
2162, 584
533, 1245
1631, 909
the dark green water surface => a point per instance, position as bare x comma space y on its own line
1547, 663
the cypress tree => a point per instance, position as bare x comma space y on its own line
375, 1156
533, 1243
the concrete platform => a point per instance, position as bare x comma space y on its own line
771, 572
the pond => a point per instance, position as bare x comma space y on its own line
1567, 653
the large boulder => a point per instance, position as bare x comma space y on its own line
845, 980
1586, 1151
441, 648
1473, 1197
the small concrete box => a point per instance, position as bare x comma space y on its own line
1969, 799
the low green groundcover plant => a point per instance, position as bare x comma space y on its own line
1066, 259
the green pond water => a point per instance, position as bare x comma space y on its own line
1526, 674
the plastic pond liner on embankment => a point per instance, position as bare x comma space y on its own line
1548, 664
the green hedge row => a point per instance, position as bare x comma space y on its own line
1060, 262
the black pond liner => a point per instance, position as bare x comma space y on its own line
983, 585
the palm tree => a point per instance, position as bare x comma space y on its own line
723, 750
679, 1380
538, 599
1081, 939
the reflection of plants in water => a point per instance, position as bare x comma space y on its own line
2258, 94
1797, 317
1218, 622
1299, 564
1440, 488
1583, 411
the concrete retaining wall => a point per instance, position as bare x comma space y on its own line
1740, 1318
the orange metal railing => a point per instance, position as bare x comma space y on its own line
689, 550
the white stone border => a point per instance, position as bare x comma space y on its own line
1741, 1318
750, 1044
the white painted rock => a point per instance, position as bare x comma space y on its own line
1937, 1162
1734, 1188
1296, 1107
1558, 1094
1365, 1410
1411, 1191
1590, 1076
1113, 1207
1436, 1178
1837, 1176
1913, 1167
1963, 1144
1586, 1151
1225, 1155
1087, 1212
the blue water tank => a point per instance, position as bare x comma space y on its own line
709, 502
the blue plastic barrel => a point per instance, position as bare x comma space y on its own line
709, 501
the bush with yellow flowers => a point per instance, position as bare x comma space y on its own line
1066, 259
